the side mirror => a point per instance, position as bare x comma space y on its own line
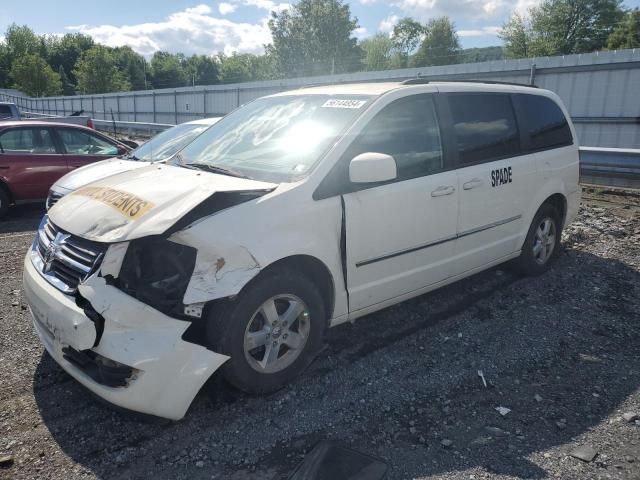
372, 167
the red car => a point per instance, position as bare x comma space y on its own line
33, 155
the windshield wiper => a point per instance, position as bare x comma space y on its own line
214, 169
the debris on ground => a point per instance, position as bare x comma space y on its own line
481, 375
584, 453
503, 410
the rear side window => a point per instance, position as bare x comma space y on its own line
485, 127
78, 142
544, 123
27, 140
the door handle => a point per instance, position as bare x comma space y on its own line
4, 167
443, 190
476, 182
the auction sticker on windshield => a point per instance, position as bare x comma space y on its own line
127, 204
339, 103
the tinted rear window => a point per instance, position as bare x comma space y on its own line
485, 127
544, 122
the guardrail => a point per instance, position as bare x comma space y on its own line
613, 167
132, 129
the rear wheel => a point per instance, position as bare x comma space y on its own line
271, 331
542, 243
4, 202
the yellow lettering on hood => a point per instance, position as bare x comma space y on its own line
127, 204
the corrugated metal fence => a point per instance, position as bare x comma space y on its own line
601, 91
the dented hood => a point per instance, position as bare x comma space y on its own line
146, 201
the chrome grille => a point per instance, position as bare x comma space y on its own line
53, 198
64, 260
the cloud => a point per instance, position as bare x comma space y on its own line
268, 5
480, 32
360, 33
193, 30
199, 10
387, 24
226, 8
426, 9
473, 10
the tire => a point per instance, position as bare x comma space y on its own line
4, 202
257, 315
540, 249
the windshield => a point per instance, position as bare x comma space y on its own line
166, 144
274, 139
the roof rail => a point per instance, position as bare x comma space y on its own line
424, 81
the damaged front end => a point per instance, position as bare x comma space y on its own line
120, 314
156, 272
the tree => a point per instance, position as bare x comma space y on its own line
20, 41
380, 53
481, 54
33, 76
406, 37
5, 66
132, 65
201, 70
440, 46
314, 37
67, 87
559, 27
96, 72
516, 35
627, 34
168, 70
575, 26
245, 67
66, 51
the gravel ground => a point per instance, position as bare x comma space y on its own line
560, 351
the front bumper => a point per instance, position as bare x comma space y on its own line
167, 371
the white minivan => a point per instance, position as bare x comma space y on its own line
296, 212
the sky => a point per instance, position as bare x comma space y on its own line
208, 27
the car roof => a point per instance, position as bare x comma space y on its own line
380, 88
203, 121
37, 123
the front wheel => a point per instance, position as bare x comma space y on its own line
271, 331
542, 243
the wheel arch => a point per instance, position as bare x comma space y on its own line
311, 267
559, 202
552, 196
7, 190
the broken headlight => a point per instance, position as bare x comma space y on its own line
157, 272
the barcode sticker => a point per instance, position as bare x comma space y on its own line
338, 103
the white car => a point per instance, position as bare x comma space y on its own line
297, 212
159, 149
